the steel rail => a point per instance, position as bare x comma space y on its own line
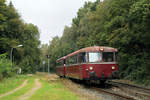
122, 97
147, 90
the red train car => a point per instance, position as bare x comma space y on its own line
60, 69
91, 63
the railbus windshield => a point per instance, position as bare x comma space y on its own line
102, 57
95, 56
108, 57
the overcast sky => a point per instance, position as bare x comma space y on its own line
49, 15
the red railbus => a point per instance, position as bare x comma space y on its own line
91, 63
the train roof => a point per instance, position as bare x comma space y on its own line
62, 58
91, 49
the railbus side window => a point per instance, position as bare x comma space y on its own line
60, 63
82, 58
72, 60
67, 61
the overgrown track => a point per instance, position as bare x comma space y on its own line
143, 89
105, 90
113, 94
137, 91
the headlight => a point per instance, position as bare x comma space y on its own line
113, 67
91, 68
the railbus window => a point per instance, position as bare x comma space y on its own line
82, 57
95, 56
60, 63
72, 60
67, 61
108, 57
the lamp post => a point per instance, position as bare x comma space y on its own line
48, 56
12, 52
43, 65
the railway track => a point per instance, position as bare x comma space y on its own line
118, 91
105, 91
114, 95
146, 90
141, 92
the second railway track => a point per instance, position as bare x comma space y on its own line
114, 95
141, 93
139, 88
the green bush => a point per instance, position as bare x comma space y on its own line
135, 67
6, 69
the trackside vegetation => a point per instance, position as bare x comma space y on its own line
9, 84
49, 90
13, 32
6, 69
22, 91
122, 24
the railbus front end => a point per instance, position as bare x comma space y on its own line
101, 66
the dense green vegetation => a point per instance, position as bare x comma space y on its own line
5, 67
13, 32
123, 24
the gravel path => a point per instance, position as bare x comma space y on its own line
8, 93
32, 91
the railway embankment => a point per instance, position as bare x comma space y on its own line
109, 91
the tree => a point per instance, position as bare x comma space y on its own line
123, 24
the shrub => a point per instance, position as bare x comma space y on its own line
6, 69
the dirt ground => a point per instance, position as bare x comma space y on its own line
32, 91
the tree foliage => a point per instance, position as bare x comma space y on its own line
13, 32
123, 24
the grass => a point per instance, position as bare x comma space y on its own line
11, 83
50, 90
22, 91
53, 91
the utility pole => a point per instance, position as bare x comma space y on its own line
43, 65
11, 56
11, 53
48, 57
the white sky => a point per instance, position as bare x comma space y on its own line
49, 15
